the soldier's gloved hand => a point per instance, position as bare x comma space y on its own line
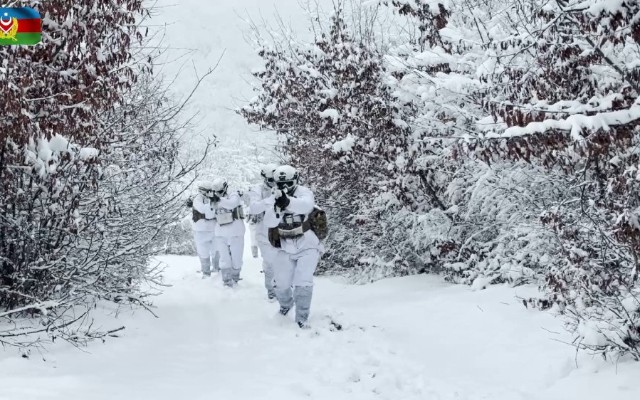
283, 201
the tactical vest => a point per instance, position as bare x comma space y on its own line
230, 216
316, 221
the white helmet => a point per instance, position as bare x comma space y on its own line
206, 188
267, 174
220, 186
286, 178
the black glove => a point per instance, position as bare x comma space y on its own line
283, 201
214, 198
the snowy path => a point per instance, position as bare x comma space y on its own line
410, 338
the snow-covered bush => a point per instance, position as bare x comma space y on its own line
564, 94
398, 196
340, 126
552, 83
88, 171
507, 151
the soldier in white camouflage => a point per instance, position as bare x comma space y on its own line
204, 227
230, 230
299, 247
260, 201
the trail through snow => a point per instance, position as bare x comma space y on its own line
409, 338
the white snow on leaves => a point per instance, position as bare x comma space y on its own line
575, 123
43, 154
330, 113
345, 145
87, 153
59, 143
595, 7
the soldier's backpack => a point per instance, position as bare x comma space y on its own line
318, 221
189, 202
197, 216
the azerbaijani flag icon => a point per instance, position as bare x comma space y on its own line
20, 25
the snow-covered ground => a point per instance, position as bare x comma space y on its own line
409, 338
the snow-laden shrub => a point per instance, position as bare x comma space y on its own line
554, 84
339, 125
564, 94
89, 174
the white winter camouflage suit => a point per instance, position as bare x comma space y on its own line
260, 201
252, 227
297, 258
204, 234
229, 239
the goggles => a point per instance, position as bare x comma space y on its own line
210, 192
285, 184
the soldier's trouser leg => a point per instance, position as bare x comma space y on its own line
254, 240
268, 255
236, 249
302, 298
204, 241
215, 265
226, 264
283, 273
269, 281
305, 266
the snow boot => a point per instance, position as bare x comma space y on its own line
205, 266
303, 325
227, 277
271, 296
284, 311
235, 275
